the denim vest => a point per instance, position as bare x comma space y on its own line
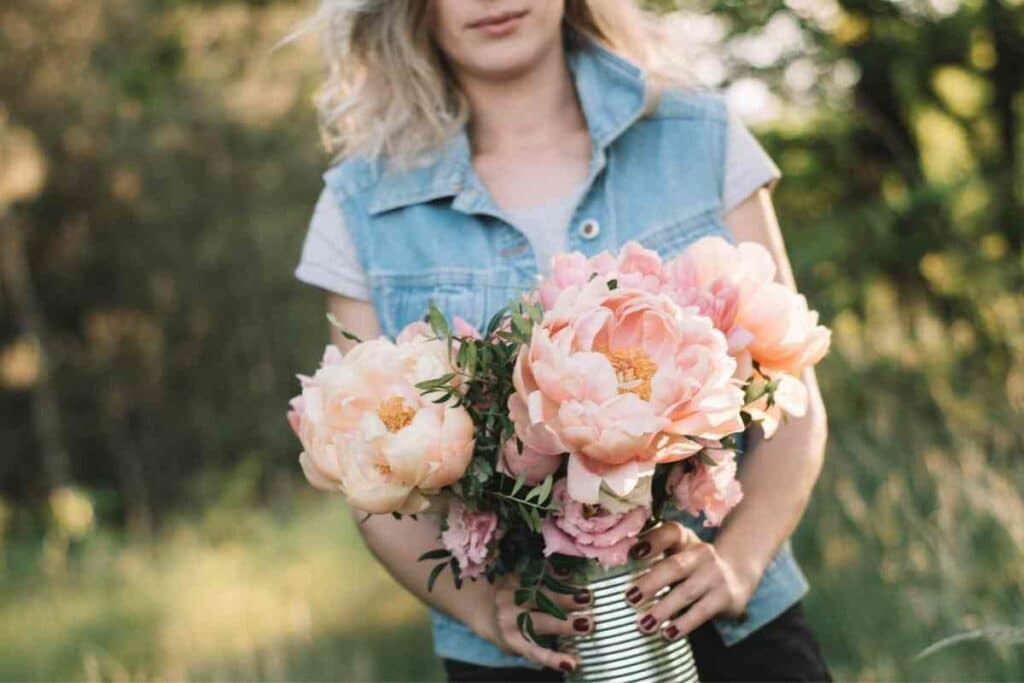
433, 233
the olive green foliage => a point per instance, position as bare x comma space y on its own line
158, 165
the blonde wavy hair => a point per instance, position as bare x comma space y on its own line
388, 93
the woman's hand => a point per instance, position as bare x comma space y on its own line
499, 624
704, 583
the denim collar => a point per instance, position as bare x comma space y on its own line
612, 93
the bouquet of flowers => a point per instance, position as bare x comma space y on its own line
557, 434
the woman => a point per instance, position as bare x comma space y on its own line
475, 139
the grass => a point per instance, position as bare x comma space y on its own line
293, 597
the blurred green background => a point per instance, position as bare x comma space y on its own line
158, 166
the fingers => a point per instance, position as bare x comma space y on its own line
574, 602
575, 625
682, 596
517, 643
712, 603
672, 569
541, 655
667, 537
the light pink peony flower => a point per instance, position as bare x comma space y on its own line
469, 538
699, 487
542, 451
534, 464
635, 267
593, 531
623, 379
764, 321
368, 433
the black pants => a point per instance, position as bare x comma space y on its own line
782, 650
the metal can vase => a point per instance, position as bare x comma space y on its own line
616, 650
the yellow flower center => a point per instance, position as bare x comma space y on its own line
634, 370
394, 413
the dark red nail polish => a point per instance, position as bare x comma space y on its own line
647, 623
640, 549
582, 597
566, 666
634, 595
671, 632
560, 571
581, 624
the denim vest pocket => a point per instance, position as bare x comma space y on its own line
404, 298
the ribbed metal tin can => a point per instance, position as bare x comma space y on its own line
616, 650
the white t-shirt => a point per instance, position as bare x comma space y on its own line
329, 259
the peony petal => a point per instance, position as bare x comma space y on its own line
582, 484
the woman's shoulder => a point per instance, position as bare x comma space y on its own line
690, 102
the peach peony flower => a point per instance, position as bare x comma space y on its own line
368, 433
469, 537
699, 487
593, 531
623, 379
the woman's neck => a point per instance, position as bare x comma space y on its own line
531, 110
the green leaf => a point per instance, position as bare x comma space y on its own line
520, 480
545, 488
708, 460
557, 586
495, 322
341, 328
437, 322
525, 624
456, 573
548, 605
434, 573
522, 596
435, 554
520, 326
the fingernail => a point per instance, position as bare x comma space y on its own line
566, 666
582, 597
560, 571
671, 632
640, 549
581, 624
647, 623
634, 595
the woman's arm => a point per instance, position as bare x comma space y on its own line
777, 476
488, 610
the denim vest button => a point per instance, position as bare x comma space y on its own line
589, 229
